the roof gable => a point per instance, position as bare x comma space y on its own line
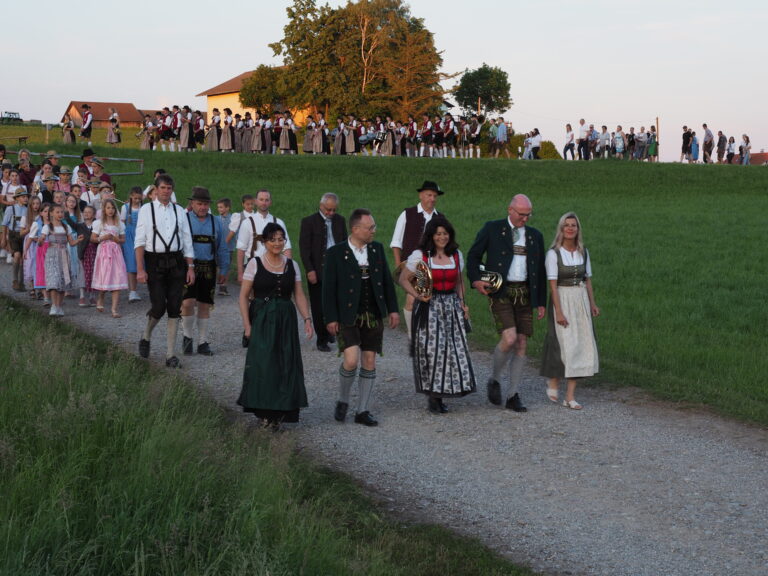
231, 85
100, 110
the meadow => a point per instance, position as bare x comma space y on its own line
677, 250
108, 466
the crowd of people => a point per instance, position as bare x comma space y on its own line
79, 243
643, 146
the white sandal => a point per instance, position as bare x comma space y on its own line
552, 394
572, 404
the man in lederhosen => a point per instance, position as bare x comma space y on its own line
358, 294
165, 262
15, 222
515, 251
209, 243
319, 232
249, 244
408, 232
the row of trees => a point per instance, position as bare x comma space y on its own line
367, 57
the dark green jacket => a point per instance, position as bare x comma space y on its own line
342, 283
495, 241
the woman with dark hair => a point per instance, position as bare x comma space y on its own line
570, 350
442, 367
273, 380
227, 132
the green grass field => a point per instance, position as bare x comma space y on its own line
109, 467
676, 249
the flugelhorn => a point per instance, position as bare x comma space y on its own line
493, 278
421, 279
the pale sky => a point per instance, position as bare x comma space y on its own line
608, 61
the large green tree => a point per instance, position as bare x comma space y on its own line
488, 86
368, 56
265, 89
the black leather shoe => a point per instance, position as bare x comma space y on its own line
443, 407
514, 403
433, 405
366, 419
341, 411
186, 346
144, 348
494, 392
172, 362
323, 347
204, 349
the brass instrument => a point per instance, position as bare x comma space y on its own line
421, 279
493, 278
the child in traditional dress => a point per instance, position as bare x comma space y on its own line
72, 217
129, 215
87, 255
109, 273
57, 270
30, 246
41, 248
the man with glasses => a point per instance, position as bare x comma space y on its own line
319, 232
358, 293
516, 251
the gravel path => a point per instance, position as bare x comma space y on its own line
627, 486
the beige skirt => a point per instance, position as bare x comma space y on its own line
570, 352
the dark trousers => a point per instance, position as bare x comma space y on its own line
166, 275
584, 149
316, 303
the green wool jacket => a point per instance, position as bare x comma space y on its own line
495, 241
342, 283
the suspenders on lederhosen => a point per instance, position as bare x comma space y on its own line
166, 262
205, 239
256, 239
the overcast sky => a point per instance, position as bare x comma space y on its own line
608, 61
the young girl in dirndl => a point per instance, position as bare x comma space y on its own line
109, 274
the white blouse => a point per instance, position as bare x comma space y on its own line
569, 259
417, 256
253, 266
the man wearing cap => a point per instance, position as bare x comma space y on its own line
211, 253
15, 222
165, 262
249, 244
516, 251
358, 294
319, 232
85, 131
408, 232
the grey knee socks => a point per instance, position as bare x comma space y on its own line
515, 374
500, 361
151, 323
367, 380
346, 379
173, 327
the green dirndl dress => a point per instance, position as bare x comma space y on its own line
273, 380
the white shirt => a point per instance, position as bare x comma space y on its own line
245, 236
360, 254
569, 259
417, 256
583, 132
98, 225
518, 269
569, 138
397, 236
253, 266
166, 224
146, 191
234, 222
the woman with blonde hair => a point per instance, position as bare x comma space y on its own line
570, 350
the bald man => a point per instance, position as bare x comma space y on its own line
516, 251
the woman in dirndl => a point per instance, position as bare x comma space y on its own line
273, 380
442, 367
570, 349
113, 130
227, 132
214, 132
310, 131
68, 130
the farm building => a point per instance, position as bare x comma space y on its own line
129, 115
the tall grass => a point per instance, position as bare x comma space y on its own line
677, 250
109, 467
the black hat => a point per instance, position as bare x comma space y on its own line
200, 194
87, 152
429, 185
